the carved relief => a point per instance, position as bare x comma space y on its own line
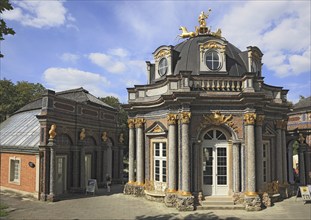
171, 119
212, 45
139, 122
162, 53
131, 122
216, 118
157, 129
52, 131
278, 124
121, 138
249, 118
260, 119
185, 117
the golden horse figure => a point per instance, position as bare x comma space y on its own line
185, 33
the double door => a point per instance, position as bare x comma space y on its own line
215, 169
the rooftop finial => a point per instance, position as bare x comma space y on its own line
202, 18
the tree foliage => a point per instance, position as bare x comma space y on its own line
13, 97
4, 30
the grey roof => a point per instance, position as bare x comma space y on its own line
303, 103
21, 130
187, 57
36, 104
83, 96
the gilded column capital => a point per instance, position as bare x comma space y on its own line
250, 118
260, 119
171, 119
278, 123
185, 117
139, 122
131, 122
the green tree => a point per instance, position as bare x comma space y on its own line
13, 97
4, 30
7, 94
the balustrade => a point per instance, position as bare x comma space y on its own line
223, 85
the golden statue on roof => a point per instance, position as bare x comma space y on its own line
201, 30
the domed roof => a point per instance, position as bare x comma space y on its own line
187, 56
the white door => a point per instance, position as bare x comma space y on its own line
215, 163
88, 167
61, 173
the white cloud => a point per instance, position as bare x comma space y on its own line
39, 14
120, 52
107, 62
70, 57
281, 29
68, 78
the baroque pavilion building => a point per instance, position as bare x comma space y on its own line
206, 124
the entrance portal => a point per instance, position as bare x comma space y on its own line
215, 163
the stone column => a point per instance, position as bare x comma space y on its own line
249, 119
301, 159
185, 120
98, 165
82, 166
279, 156
236, 167
259, 153
131, 150
76, 172
290, 164
172, 153
284, 151
139, 124
51, 196
243, 166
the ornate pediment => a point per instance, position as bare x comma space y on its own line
156, 128
162, 53
216, 118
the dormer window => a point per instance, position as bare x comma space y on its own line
163, 66
212, 60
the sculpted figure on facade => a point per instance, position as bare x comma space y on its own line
82, 134
121, 138
52, 131
104, 136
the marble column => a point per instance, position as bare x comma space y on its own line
185, 120
301, 159
284, 152
131, 124
236, 167
243, 166
139, 124
76, 172
52, 172
249, 120
172, 153
98, 165
279, 155
259, 153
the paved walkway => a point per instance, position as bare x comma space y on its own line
115, 205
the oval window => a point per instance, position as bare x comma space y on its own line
212, 60
163, 66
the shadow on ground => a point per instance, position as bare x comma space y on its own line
195, 216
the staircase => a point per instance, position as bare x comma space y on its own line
219, 203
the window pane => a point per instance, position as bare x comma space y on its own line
208, 180
157, 163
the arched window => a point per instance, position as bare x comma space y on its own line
215, 135
212, 60
63, 140
90, 141
163, 66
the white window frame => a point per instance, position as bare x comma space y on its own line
161, 158
12, 171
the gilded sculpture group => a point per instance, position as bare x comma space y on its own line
202, 29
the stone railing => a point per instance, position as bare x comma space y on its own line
222, 85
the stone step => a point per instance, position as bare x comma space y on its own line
221, 207
217, 202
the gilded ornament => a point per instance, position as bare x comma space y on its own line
157, 129
185, 33
185, 117
212, 45
139, 122
52, 131
82, 134
104, 136
131, 122
171, 119
162, 53
202, 18
249, 118
216, 118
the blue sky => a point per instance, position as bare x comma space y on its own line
103, 45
